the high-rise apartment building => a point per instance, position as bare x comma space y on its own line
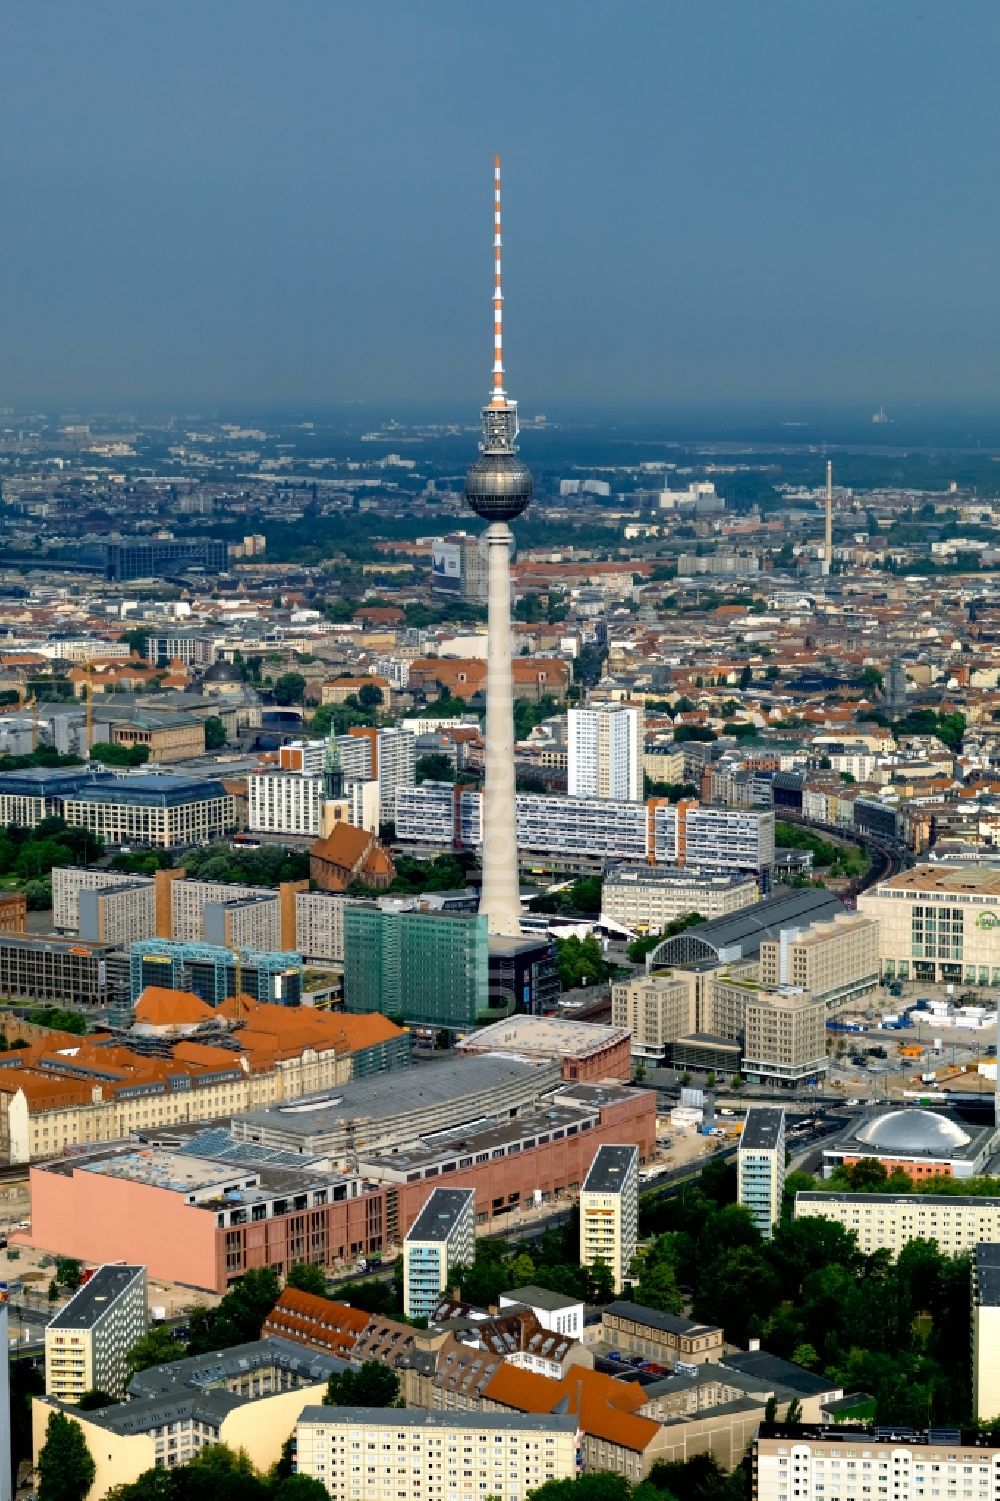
605, 752
87, 1342
609, 1211
986, 1333
760, 1166
442, 1236
431, 968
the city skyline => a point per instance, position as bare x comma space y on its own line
714, 205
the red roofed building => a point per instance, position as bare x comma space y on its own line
348, 854
615, 1436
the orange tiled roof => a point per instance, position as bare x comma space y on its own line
605, 1407
159, 1007
344, 845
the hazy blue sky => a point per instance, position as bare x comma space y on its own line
233, 201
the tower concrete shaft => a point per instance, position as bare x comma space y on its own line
500, 898
828, 548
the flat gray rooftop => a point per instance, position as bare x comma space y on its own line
762, 1129
516, 1422
609, 1169
91, 1301
441, 1213
383, 1096
539, 1297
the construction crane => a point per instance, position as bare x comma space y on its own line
238, 984
90, 708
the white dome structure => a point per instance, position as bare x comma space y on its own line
914, 1130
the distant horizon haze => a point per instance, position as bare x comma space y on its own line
718, 207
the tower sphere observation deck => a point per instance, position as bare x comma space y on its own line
498, 486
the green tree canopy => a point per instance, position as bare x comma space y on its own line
157, 1347
435, 767
215, 733
308, 1278
66, 1467
239, 1316
289, 688
371, 1385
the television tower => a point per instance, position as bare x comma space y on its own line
498, 488
828, 549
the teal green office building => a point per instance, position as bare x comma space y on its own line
430, 968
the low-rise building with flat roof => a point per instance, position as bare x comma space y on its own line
584, 1050
553, 1311
646, 898
656, 1336
372, 1115
920, 1142
889, 1221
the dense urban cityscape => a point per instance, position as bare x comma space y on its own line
500, 922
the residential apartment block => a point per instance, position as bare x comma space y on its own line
596, 829
889, 1221
371, 1454
605, 752
986, 1332
832, 1463
442, 1236
760, 1166
248, 1397
609, 1211
87, 1341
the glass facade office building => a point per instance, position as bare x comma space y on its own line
430, 968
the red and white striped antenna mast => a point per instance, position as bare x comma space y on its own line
499, 395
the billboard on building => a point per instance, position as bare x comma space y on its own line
446, 567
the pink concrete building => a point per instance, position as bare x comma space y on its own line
203, 1220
